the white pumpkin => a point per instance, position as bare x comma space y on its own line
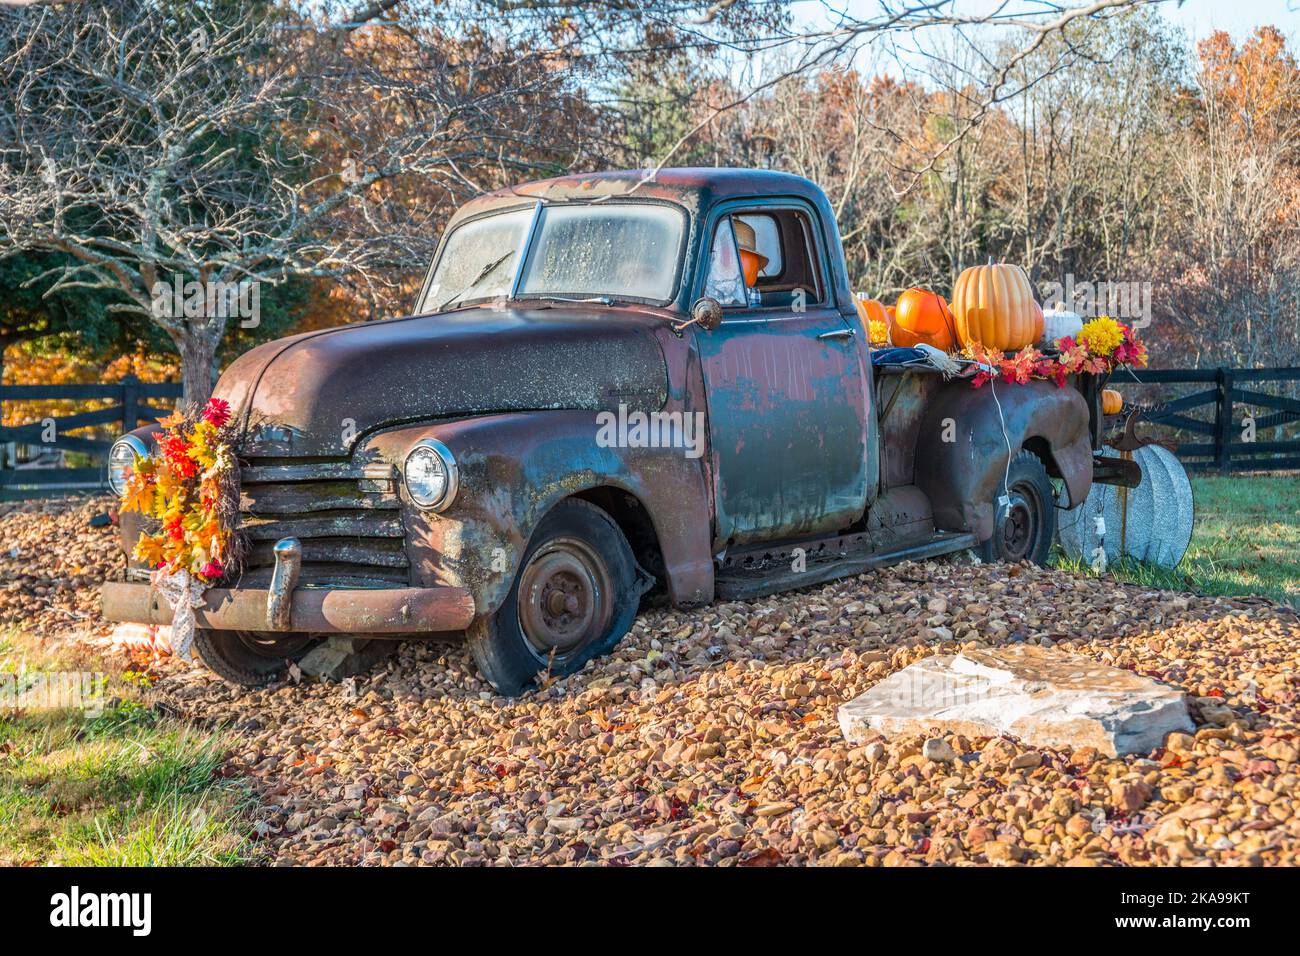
1058, 323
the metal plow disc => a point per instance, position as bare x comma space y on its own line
1151, 523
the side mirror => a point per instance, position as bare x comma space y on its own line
706, 313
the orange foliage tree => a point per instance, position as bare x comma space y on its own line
1231, 257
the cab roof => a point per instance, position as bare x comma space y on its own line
693, 187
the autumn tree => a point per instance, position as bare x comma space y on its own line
1233, 249
144, 146
75, 319
219, 143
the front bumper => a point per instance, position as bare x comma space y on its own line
403, 612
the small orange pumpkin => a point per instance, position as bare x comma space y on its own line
870, 310
875, 320
923, 317
994, 306
1112, 402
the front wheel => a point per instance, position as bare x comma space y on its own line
575, 595
250, 658
1024, 526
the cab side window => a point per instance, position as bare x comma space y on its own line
765, 259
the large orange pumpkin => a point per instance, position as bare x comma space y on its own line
994, 306
922, 316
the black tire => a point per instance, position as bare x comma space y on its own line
582, 589
248, 658
1024, 529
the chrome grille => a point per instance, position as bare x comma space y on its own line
346, 516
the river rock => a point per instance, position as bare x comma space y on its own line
1045, 697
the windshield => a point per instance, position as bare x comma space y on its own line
619, 251
478, 260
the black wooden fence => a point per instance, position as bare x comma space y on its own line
1231, 419
131, 408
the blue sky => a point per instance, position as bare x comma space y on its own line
1238, 17
1198, 17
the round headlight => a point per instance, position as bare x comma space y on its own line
121, 459
430, 475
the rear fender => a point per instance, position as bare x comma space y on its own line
964, 439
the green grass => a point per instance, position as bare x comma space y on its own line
125, 788
1246, 540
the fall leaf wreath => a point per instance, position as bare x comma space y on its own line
189, 489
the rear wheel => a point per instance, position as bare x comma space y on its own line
1024, 526
250, 658
575, 595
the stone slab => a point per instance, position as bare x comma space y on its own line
338, 657
1045, 697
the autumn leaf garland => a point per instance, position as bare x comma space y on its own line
186, 486
1101, 346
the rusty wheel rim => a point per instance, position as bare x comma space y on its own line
564, 598
1020, 523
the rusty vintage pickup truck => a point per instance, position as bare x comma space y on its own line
597, 401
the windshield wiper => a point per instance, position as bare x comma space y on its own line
486, 271
597, 299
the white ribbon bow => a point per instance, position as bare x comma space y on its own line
183, 593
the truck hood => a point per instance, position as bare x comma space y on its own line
316, 394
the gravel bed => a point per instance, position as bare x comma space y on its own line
710, 737
52, 562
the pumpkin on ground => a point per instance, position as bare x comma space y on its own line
994, 306
1112, 402
923, 317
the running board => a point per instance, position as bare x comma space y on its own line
744, 584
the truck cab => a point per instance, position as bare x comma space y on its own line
612, 387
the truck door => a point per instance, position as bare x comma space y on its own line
786, 389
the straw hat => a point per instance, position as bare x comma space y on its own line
752, 261
747, 240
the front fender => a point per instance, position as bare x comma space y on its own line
514, 468
962, 446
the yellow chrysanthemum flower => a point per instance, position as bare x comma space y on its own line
878, 332
1101, 336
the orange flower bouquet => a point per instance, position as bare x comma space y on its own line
190, 489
